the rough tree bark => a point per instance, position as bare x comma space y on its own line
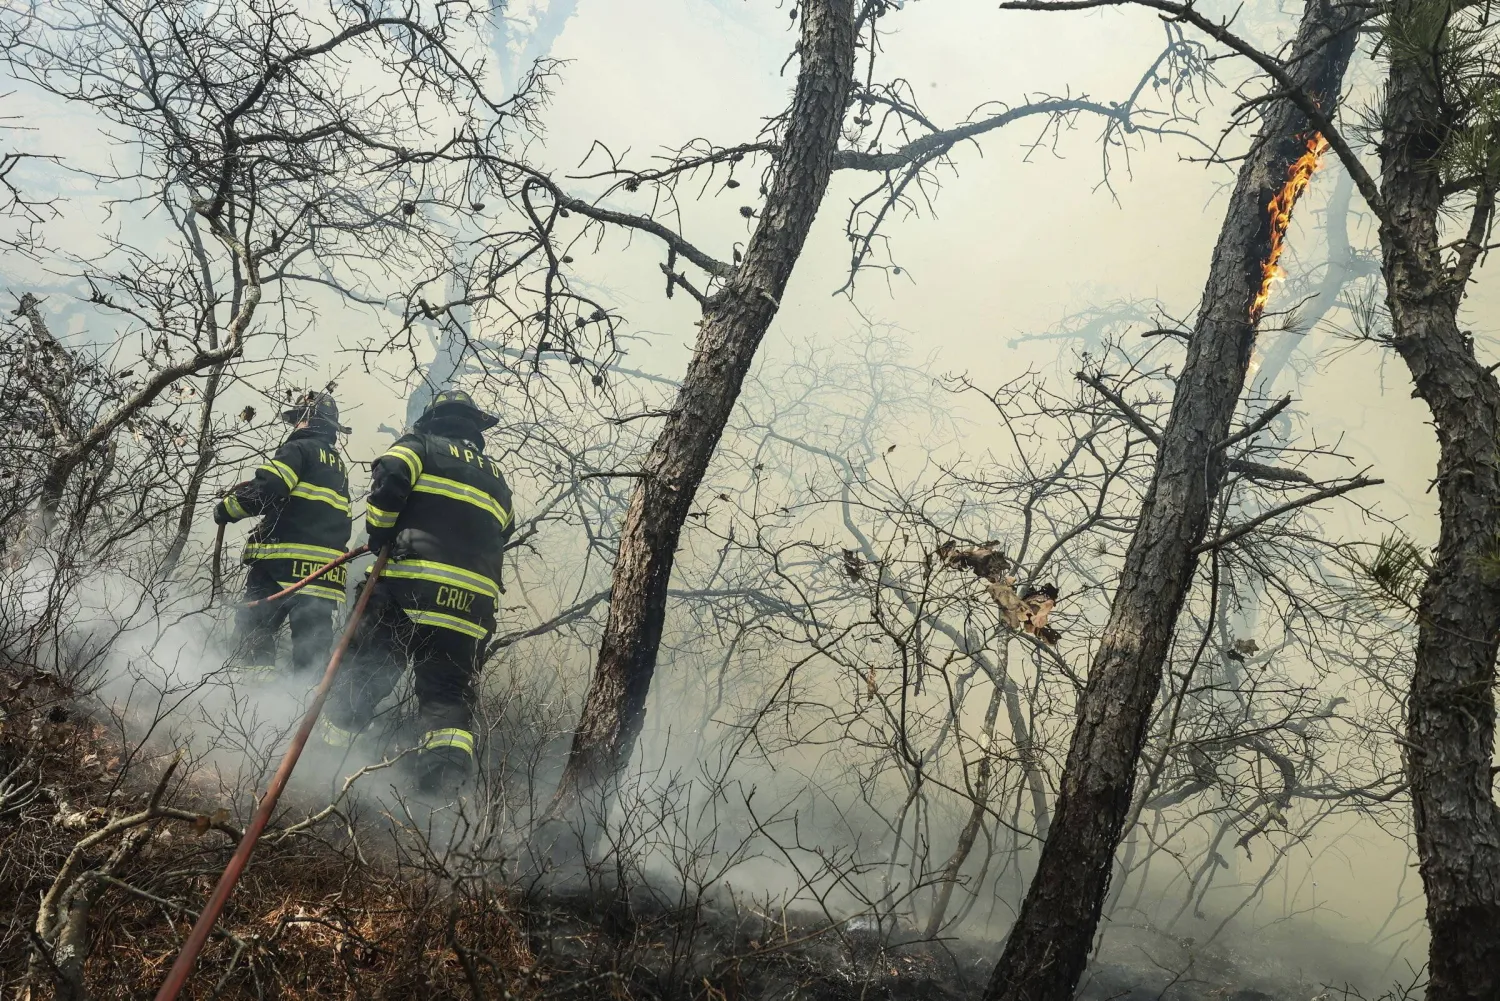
1048, 947
1451, 707
734, 321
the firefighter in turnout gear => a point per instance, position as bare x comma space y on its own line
302, 496
445, 510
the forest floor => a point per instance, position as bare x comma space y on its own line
320, 916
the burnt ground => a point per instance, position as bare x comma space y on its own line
714, 951
316, 918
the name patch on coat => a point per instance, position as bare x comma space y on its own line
454, 597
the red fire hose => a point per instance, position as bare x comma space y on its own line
325, 568
188, 957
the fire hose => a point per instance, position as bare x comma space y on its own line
332, 564
182, 967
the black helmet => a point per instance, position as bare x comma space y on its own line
315, 407
456, 403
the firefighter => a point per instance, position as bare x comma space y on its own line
445, 511
302, 496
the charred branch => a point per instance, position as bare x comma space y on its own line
1237, 532
1245, 467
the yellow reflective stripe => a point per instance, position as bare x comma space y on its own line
291, 551
281, 469
444, 487
235, 508
380, 518
444, 573
334, 736
452, 737
442, 620
309, 491
412, 459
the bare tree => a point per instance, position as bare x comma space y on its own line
53, 396
240, 127
72, 447
735, 319
1435, 135
1438, 152
939, 723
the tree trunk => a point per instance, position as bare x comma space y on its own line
1451, 708
1048, 947
734, 321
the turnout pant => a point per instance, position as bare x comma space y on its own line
444, 664
310, 617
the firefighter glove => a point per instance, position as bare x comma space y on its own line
228, 510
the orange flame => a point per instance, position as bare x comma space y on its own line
1298, 176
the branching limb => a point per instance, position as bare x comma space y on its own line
1272, 67
936, 144
1126, 410
1256, 426
16, 791
1254, 470
645, 224
176, 907
1240, 531
1267, 474
1473, 245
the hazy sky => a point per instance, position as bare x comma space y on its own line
1017, 243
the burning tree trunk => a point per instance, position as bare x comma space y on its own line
1048, 947
1451, 708
1343, 266
734, 321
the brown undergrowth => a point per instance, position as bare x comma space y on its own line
138, 839
121, 844
323, 914
311, 918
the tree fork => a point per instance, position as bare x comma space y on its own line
1048, 947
